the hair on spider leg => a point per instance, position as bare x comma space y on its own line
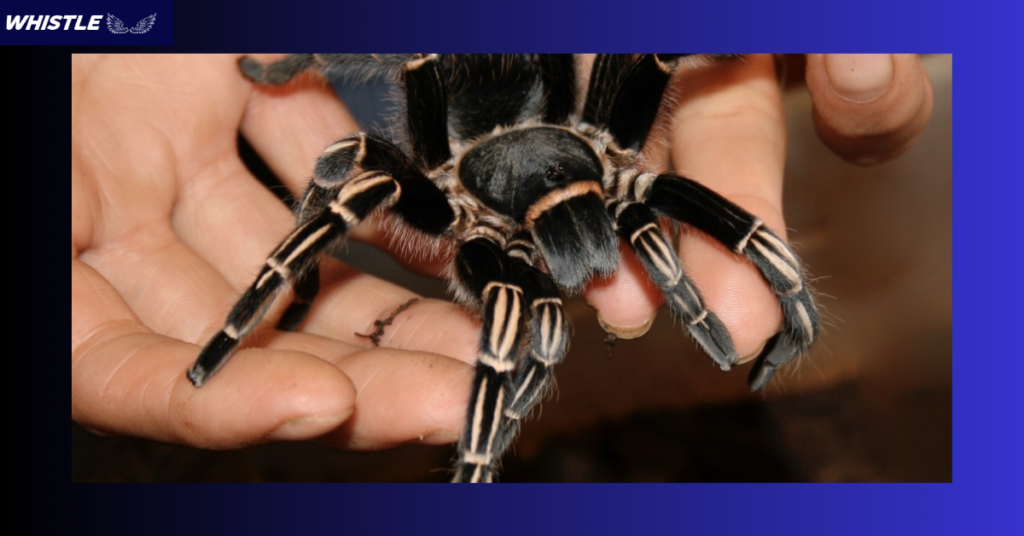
259, 169
609, 341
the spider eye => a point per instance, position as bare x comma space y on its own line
556, 173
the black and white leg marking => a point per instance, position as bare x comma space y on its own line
422, 205
743, 233
288, 261
350, 181
783, 272
639, 227
487, 271
548, 329
517, 299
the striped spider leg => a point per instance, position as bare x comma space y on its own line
353, 177
518, 303
687, 201
626, 94
690, 202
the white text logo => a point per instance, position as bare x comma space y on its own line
53, 22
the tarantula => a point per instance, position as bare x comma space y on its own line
535, 198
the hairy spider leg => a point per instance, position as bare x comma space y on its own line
624, 95
639, 227
558, 76
548, 334
426, 101
743, 233
296, 255
353, 177
488, 272
518, 303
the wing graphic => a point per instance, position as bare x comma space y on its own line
144, 25
115, 25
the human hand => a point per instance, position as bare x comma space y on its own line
168, 228
728, 133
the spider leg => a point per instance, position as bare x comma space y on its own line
283, 70
304, 289
289, 261
517, 300
639, 227
489, 273
426, 101
279, 72
558, 75
353, 177
624, 94
745, 234
548, 327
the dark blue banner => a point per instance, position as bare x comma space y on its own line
104, 23
468, 26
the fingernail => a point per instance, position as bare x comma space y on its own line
752, 355
306, 427
626, 332
439, 437
859, 78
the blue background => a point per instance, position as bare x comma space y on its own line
986, 287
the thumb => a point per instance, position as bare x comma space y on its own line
869, 107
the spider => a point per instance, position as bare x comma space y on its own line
534, 196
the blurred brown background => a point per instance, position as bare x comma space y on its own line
872, 402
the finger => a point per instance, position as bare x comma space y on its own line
403, 397
122, 205
291, 124
729, 134
181, 277
626, 302
352, 302
127, 380
869, 107
231, 222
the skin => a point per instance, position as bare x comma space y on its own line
160, 201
